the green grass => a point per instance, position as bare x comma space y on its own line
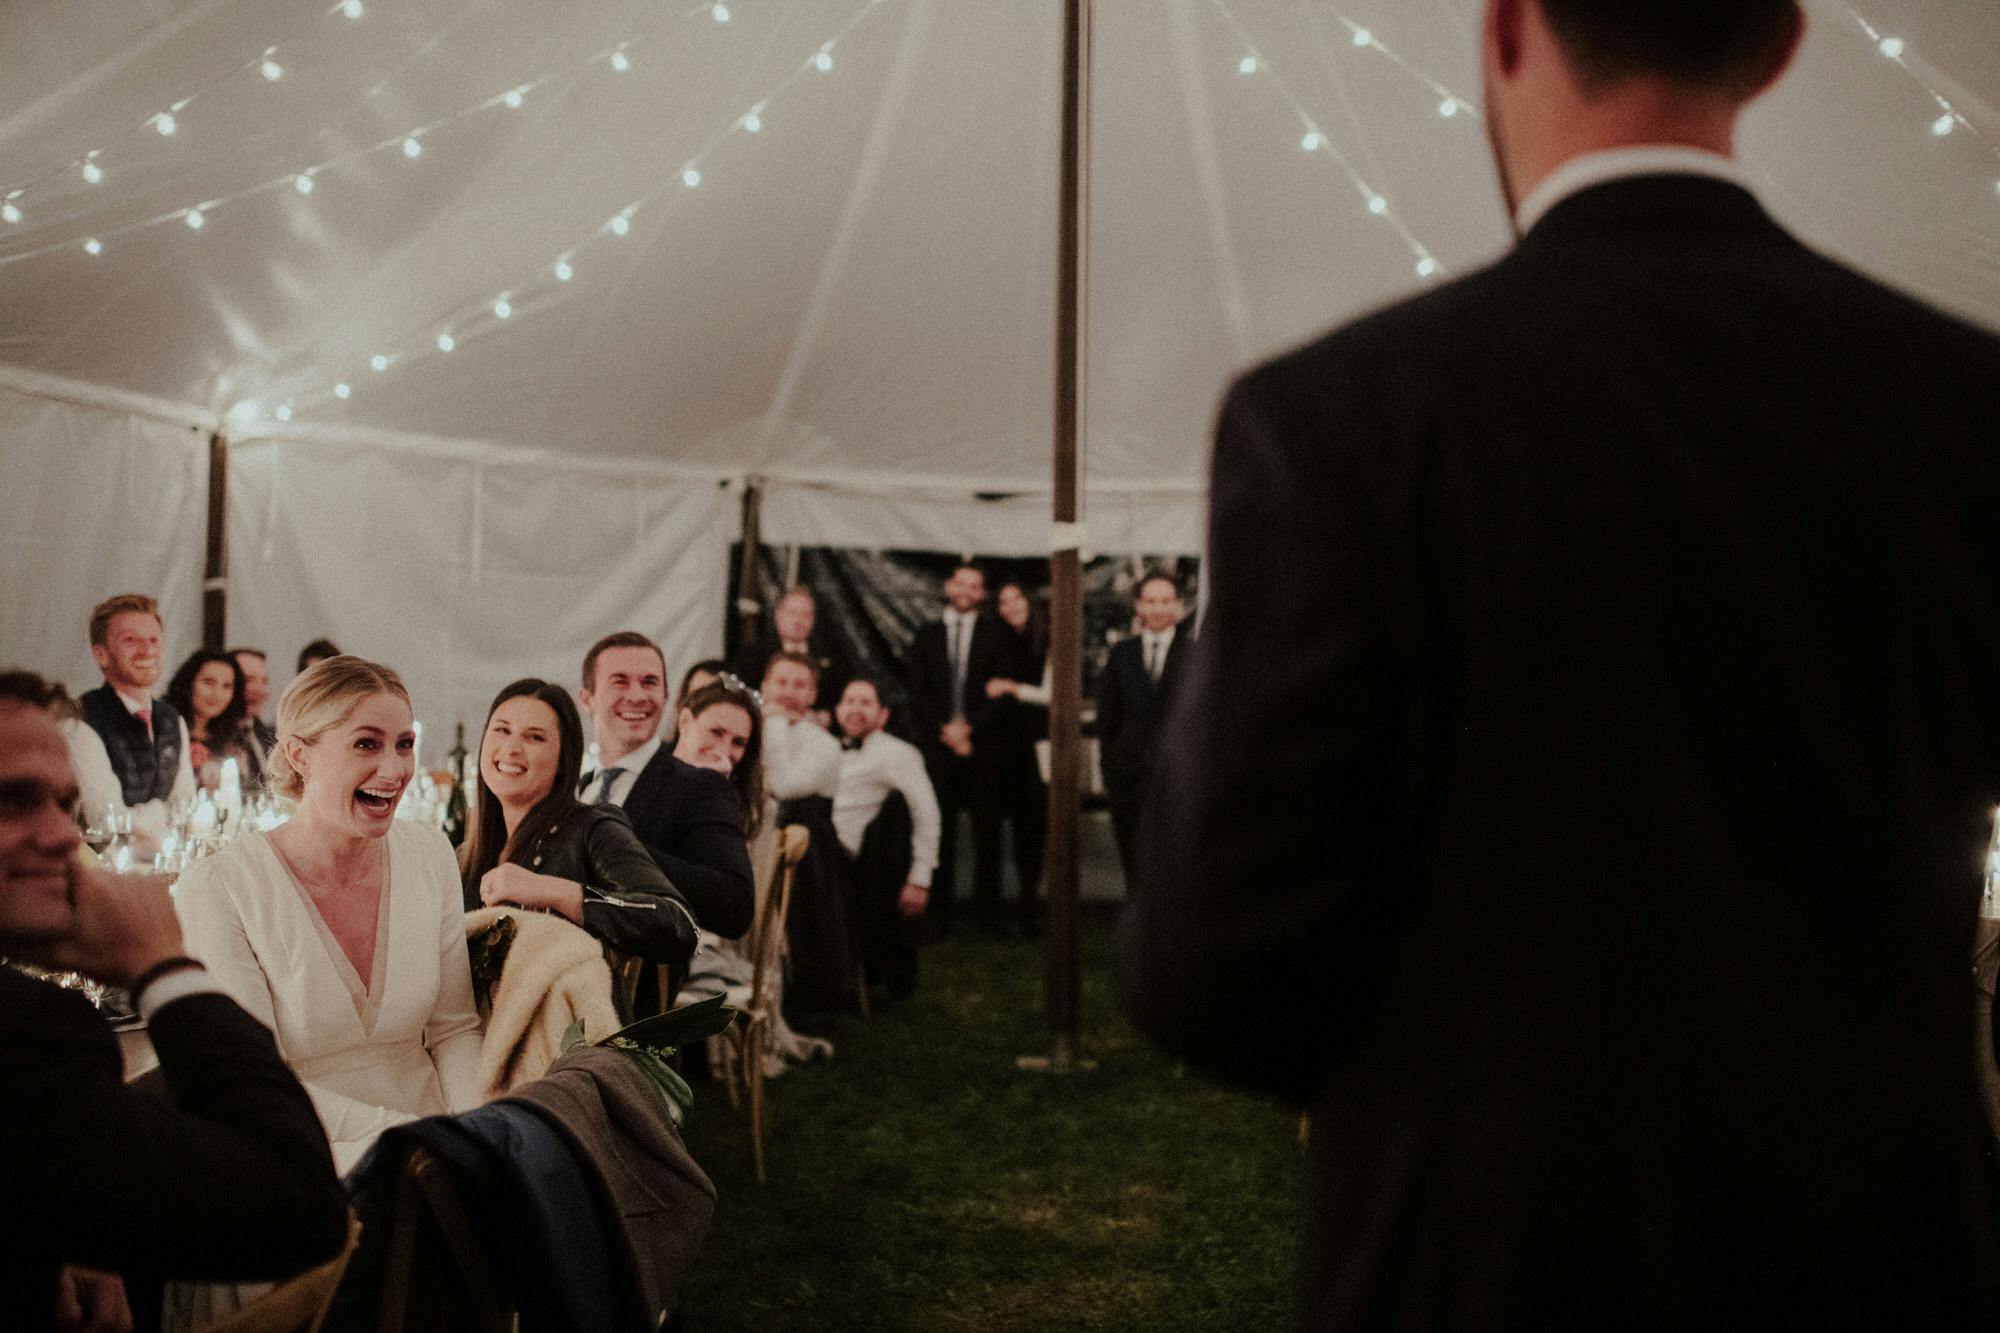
918, 1180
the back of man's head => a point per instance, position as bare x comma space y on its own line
1721, 46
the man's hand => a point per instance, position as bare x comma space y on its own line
1000, 685
510, 883
913, 899
88, 1301
957, 737
123, 924
714, 762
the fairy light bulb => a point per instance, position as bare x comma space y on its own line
283, 412
1377, 205
690, 178
620, 225
92, 173
272, 70
412, 148
563, 271
352, 8
1426, 267
503, 309
379, 362
513, 99
1247, 65
1448, 107
1944, 124
620, 61
1313, 142
1892, 47
1363, 37
823, 62
754, 120
93, 246
9, 213
721, 13
446, 342
195, 219
166, 124
341, 390
303, 183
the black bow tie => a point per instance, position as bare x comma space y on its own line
850, 742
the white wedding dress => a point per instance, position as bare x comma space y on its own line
404, 1046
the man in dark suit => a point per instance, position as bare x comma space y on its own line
105, 1190
688, 817
1131, 699
1577, 791
945, 670
794, 628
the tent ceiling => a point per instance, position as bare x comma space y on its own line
865, 285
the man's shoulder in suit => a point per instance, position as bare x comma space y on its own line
34, 1012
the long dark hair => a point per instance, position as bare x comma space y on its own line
748, 775
1036, 631
224, 726
486, 841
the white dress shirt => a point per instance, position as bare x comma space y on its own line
800, 759
628, 768
884, 764
98, 788
1581, 173
1153, 648
958, 628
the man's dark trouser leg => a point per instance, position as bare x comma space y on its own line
1125, 826
948, 783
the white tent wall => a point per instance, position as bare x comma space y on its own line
102, 494
466, 568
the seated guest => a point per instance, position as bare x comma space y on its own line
208, 693
144, 742
224, 1175
310, 656
342, 928
874, 767
801, 758
533, 844
256, 693
794, 628
690, 819
721, 728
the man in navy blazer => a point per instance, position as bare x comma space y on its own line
1131, 702
688, 817
1577, 792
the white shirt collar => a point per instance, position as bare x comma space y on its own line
1581, 173
636, 760
1152, 637
141, 706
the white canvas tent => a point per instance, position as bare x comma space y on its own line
809, 241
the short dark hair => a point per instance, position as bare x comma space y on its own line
1155, 576
1722, 45
317, 651
712, 667
972, 565
796, 659
101, 614
872, 682
30, 690
624, 638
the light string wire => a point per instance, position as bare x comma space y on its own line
616, 57
164, 124
1895, 49
1316, 141
1449, 103
547, 286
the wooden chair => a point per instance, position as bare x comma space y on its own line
298, 1304
416, 1294
626, 969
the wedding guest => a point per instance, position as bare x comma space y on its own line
342, 929
946, 669
1131, 702
208, 693
104, 1189
533, 844
699, 676
794, 628
256, 694
319, 650
721, 728
1018, 722
893, 875
689, 818
144, 740
801, 758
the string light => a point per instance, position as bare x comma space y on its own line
1448, 108
379, 362
1247, 65
620, 225
411, 147
1944, 125
503, 308
1313, 142
1449, 102
1892, 47
272, 70
1377, 205
352, 8
446, 342
1427, 267
9, 213
754, 120
93, 246
165, 124
195, 219
721, 13
1949, 121
92, 173
690, 177
823, 62
283, 412
563, 271
620, 61
341, 390
1363, 37
513, 99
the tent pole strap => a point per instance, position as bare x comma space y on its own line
215, 567
1064, 862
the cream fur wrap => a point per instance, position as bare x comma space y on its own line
554, 974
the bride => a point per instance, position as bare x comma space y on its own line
341, 929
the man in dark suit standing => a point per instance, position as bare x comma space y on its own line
104, 1191
1577, 792
794, 628
688, 817
1130, 706
946, 669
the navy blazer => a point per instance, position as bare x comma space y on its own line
692, 823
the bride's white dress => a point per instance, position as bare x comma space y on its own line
404, 1046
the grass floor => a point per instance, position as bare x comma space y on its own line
918, 1180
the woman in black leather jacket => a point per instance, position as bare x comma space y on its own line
532, 843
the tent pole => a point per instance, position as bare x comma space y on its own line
215, 567
748, 606
1064, 861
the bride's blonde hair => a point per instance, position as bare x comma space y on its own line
318, 700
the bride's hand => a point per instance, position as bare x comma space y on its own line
510, 883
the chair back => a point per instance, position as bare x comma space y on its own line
436, 1273
298, 1304
769, 937
626, 969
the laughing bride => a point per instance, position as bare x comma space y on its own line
341, 929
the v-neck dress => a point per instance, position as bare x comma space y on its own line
372, 1056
